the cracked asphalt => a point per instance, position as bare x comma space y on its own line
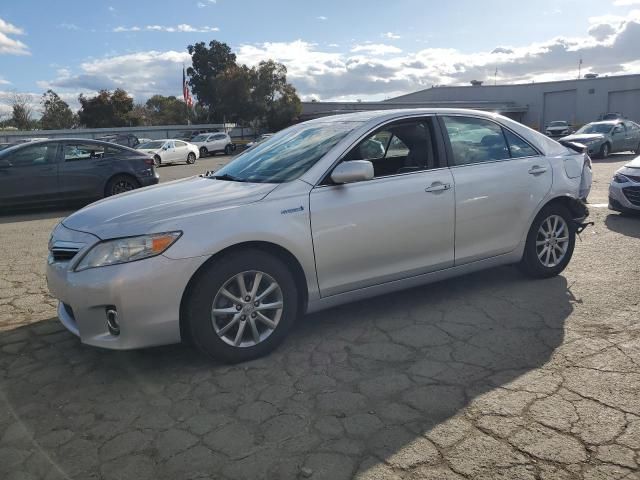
488, 376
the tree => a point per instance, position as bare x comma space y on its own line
207, 65
21, 111
163, 110
232, 92
56, 113
107, 109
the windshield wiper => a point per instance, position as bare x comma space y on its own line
227, 177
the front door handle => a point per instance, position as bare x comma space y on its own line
537, 170
437, 187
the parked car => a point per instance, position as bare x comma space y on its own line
56, 171
624, 189
260, 139
170, 151
612, 116
212, 143
604, 138
125, 139
558, 128
306, 221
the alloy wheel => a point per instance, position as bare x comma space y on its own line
552, 241
247, 308
122, 186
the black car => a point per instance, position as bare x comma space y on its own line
124, 139
62, 170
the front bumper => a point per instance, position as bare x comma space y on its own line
624, 197
145, 293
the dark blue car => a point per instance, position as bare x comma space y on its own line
63, 170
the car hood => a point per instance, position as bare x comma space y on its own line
160, 208
557, 128
583, 137
635, 163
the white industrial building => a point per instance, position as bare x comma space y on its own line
534, 104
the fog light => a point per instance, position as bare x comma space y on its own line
112, 321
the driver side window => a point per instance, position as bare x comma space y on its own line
401, 147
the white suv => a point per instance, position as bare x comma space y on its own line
212, 143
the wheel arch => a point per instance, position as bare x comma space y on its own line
577, 207
268, 247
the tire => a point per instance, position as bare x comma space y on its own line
228, 150
203, 152
120, 184
536, 262
605, 150
156, 161
191, 158
212, 333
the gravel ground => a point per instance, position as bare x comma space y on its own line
489, 376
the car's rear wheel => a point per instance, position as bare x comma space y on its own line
241, 306
120, 184
228, 150
191, 158
550, 243
157, 160
605, 150
203, 152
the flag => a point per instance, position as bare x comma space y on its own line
186, 94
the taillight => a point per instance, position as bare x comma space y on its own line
148, 161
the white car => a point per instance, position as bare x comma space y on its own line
170, 151
212, 143
624, 189
260, 139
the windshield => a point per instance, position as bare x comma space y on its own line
199, 138
558, 124
596, 128
154, 145
287, 155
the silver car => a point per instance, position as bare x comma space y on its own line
312, 218
604, 138
624, 189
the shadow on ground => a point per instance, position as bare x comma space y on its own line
353, 389
626, 224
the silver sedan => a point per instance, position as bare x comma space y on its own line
312, 218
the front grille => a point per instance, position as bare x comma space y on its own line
631, 177
632, 194
63, 254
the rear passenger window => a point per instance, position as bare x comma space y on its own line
74, 152
518, 147
475, 140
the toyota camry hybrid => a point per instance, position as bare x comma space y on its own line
325, 212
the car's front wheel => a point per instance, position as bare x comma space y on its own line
191, 158
605, 150
228, 149
241, 306
550, 243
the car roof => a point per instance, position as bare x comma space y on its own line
400, 112
83, 140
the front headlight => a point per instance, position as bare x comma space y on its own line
619, 178
124, 250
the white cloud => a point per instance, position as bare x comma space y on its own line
201, 5
322, 18
208, 3
8, 45
181, 28
376, 49
375, 71
391, 36
626, 3
68, 26
4, 81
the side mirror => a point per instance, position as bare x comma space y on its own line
352, 171
4, 163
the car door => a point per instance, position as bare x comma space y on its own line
83, 169
631, 140
29, 174
500, 180
170, 155
619, 138
396, 225
181, 151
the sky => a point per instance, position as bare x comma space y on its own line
343, 50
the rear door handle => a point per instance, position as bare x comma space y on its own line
537, 170
437, 187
